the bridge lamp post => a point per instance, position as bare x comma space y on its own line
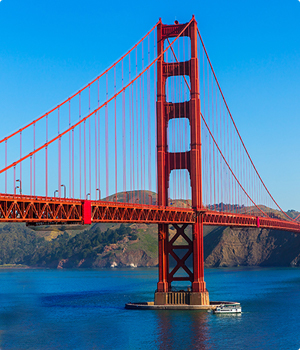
98, 189
56, 191
65, 190
88, 194
16, 189
20, 185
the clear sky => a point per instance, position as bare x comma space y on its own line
49, 49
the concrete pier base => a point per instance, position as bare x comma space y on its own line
199, 298
181, 298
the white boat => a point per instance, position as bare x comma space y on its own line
233, 308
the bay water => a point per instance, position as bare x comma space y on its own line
84, 309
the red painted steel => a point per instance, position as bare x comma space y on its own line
180, 262
191, 160
86, 212
241, 220
164, 166
126, 212
51, 210
41, 210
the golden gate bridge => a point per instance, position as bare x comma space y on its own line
150, 140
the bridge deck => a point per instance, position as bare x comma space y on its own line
51, 210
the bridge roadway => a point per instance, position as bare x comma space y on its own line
52, 210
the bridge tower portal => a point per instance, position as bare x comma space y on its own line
190, 160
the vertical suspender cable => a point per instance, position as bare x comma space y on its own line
99, 184
80, 193
73, 167
70, 153
133, 137
5, 166
46, 150
223, 172
143, 124
59, 156
137, 123
90, 159
216, 156
206, 148
84, 159
116, 158
96, 156
209, 148
106, 138
213, 146
90, 151
155, 122
14, 180
149, 121
31, 175
130, 131
21, 162
123, 132
34, 160
141, 141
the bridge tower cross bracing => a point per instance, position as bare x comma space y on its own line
190, 160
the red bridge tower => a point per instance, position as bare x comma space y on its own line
190, 160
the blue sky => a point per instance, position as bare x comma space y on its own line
48, 50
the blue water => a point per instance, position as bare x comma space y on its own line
84, 309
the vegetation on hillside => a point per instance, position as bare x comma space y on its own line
17, 242
19, 245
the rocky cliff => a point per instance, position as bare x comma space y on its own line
251, 247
